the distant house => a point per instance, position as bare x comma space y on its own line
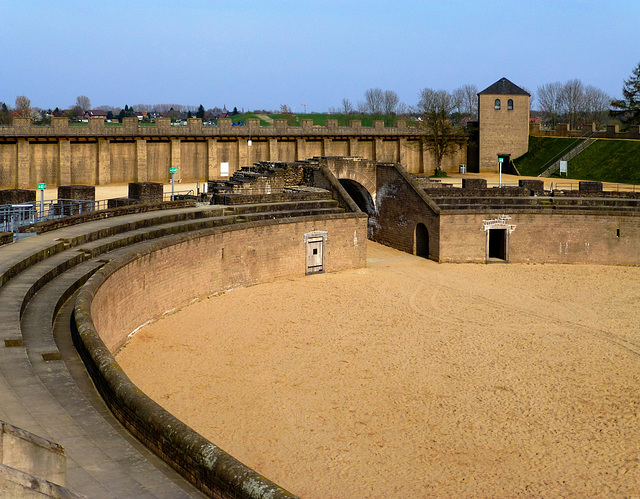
96, 113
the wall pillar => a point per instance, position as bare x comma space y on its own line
175, 157
104, 162
353, 147
402, 152
378, 149
23, 164
141, 160
213, 164
274, 152
64, 162
301, 150
243, 155
327, 147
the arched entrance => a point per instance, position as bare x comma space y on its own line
360, 195
421, 241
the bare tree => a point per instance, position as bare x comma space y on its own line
435, 108
466, 98
571, 100
390, 102
83, 102
373, 101
596, 105
23, 107
549, 102
347, 107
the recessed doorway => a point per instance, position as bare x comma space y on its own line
497, 244
421, 241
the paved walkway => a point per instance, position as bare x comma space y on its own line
55, 398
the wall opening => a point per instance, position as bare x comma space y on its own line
421, 241
497, 244
360, 195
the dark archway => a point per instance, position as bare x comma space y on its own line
421, 241
360, 196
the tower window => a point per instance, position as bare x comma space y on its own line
510, 104
496, 104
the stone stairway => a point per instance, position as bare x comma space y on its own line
44, 387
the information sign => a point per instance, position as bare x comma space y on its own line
173, 170
42, 185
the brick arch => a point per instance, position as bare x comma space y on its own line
362, 179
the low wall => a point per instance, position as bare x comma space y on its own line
584, 238
170, 274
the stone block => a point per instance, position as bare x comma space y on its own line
77, 192
149, 192
17, 196
589, 186
474, 183
535, 186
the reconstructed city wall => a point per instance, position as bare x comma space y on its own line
589, 130
605, 238
102, 154
170, 274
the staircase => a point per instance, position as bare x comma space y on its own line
568, 156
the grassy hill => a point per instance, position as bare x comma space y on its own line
608, 161
605, 160
543, 152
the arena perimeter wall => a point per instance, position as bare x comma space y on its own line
586, 238
128, 292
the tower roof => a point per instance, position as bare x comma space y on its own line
504, 87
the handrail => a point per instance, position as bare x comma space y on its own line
558, 157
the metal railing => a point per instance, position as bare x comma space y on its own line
15, 216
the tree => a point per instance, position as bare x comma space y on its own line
200, 113
373, 101
435, 108
23, 106
595, 105
467, 99
5, 115
83, 102
628, 108
571, 99
549, 102
390, 102
347, 107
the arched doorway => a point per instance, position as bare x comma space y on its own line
421, 241
360, 195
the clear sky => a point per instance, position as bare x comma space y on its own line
261, 54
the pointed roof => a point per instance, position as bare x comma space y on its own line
504, 87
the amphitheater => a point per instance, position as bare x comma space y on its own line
73, 295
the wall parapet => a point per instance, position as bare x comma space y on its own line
588, 130
130, 127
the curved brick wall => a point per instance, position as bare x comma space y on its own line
169, 274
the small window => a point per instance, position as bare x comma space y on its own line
496, 105
510, 104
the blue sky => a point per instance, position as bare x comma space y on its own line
261, 54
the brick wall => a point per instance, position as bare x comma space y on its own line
502, 131
221, 259
546, 238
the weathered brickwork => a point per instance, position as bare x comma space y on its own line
504, 130
221, 260
99, 155
545, 238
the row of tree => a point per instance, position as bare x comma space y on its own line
574, 103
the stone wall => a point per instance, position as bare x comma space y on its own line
545, 238
563, 130
97, 154
170, 274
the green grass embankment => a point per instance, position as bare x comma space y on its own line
543, 152
608, 161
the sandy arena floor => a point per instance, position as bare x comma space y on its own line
413, 379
